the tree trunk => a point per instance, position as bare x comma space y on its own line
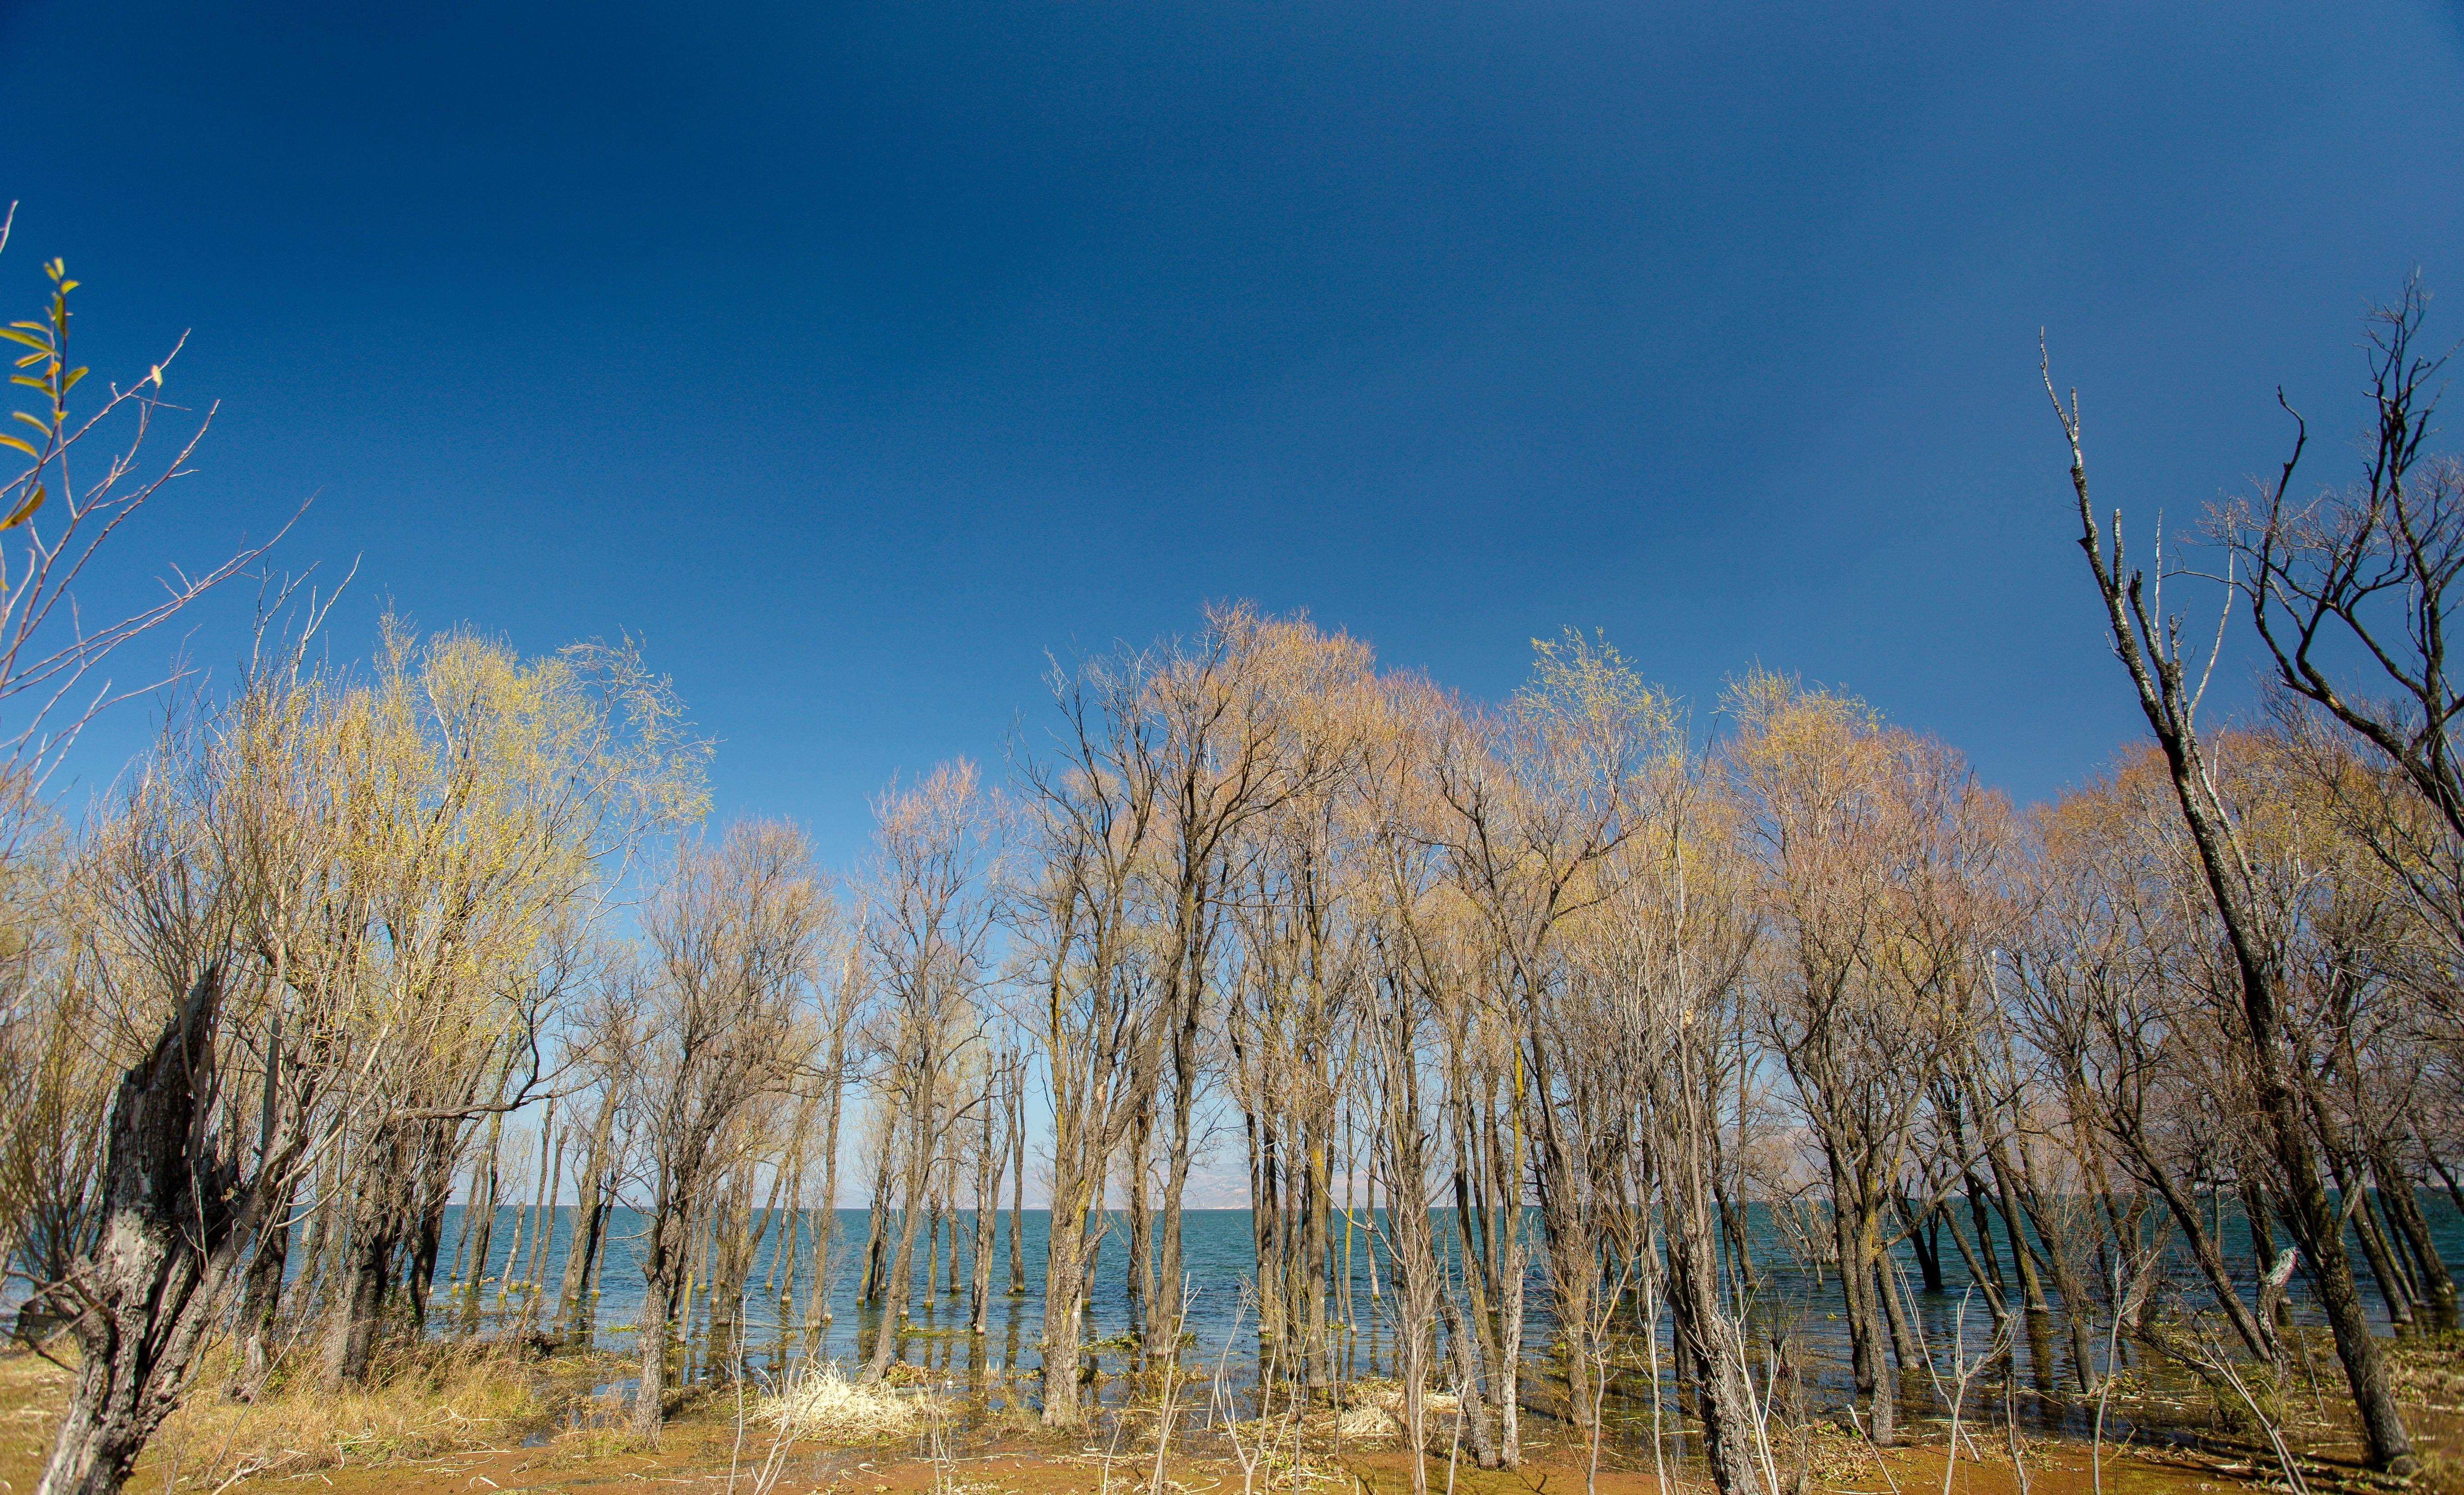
987, 1211
366, 1273
486, 1224
663, 1255
591, 1234
1138, 1273
1184, 1095
1018, 1182
1854, 1228
885, 1343
826, 1233
428, 1224
1313, 1263
261, 1302
2078, 1304
543, 1234
876, 1259
1467, 1381
2166, 701
2257, 1335
582, 1243
2395, 1193
1065, 1293
2353, 1192
176, 1220
1719, 1351
2031, 1288
1925, 1238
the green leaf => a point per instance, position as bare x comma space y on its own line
15, 445
26, 338
24, 511
33, 358
35, 421
66, 286
75, 374
30, 382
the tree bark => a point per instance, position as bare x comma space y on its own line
1065, 1295
485, 1224
366, 1271
663, 1258
1018, 1181
987, 1211
261, 1301
176, 1222
2395, 1193
920, 1157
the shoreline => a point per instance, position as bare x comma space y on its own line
576, 1440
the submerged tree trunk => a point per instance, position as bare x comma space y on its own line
2395, 1194
1855, 1231
1139, 1271
484, 1206
663, 1262
988, 1171
912, 1202
428, 1224
590, 1213
1717, 1347
1175, 1185
1018, 1181
877, 1253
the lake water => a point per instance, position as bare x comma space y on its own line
1793, 1303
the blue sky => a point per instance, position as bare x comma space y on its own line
855, 357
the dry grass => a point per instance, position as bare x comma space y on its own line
1374, 1411
2428, 1370
1366, 1423
823, 1404
441, 1399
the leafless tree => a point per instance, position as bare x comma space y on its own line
735, 934
930, 920
2169, 683
1089, 822
1872, 840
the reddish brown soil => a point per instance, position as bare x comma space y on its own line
697, 1451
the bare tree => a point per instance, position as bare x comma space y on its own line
735, 934
929, 926
1871, 840
2150, 643
1675, 945
61, 523
243, 1054
1089, 821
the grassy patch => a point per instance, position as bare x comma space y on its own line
2428, 1370
437, 1399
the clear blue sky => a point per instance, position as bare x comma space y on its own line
856, 355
